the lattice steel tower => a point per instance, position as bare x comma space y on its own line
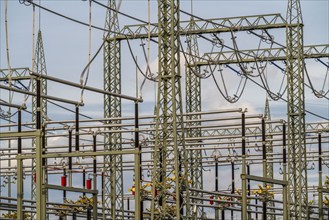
40, 68
297, 190
169, 151
113, 178
193, 105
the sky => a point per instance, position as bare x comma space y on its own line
66, 52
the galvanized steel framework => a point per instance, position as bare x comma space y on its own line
193, 105
297, 170
40, 68
113, 179
169, 149
170, 132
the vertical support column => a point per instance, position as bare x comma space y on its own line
243, 173
113, 180
20, 192
170, 138
216, 187
264, 164
70, 158
248, 187
320, 178
40, 68
95, 213
40, 212
138, 171
285, 195
269, 153
77, 139
193, 105
297, 170
232, 185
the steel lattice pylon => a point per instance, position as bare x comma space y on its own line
170, 159
193, 105
40, 68
297, 172
113, 179
269, 151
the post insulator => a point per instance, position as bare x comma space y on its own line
133, 190
88, 183
211, 202
63, 180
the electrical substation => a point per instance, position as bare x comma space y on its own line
164, 110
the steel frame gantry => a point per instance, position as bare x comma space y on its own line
113, 177
259, 55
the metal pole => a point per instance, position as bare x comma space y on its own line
243, 173
216, 187
39, 185
40, 204
20, 195
138, 171
95, 178
84, 181
42, 96
77, 85
233, 186
64, 191
70, 158
264, 164
285, 193
248, 186
77, 128
320, 178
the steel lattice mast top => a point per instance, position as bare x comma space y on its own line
40, 68
297, 170
113, 201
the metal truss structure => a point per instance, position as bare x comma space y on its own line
40, 68
169, 149
193, 104
175, 154
113, 185
297, 190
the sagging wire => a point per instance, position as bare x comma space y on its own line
321, 93
89, 55
202, 76
243, 80
326, 77
7, 42
273, 96
147, 57
30, 2
97, 52
238, 56
152, 78
237, 95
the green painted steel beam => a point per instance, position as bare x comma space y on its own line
208, 26
259, 55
